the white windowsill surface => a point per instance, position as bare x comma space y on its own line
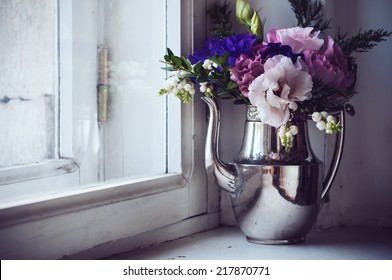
230, 244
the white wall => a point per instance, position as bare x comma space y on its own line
361, 194
362, 191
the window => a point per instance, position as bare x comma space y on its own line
134, 173
55, 69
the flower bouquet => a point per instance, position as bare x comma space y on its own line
294, 70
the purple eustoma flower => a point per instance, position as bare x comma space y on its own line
234, 45
330, 66
249, 67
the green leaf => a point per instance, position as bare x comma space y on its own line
169, 68
215, 75
167, 58
226, 69
224, 58
176, 60
232, 85
201, 79
169, 52
203, 72
186, 64
215, 59
187, 75
198, 68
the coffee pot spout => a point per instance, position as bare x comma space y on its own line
223, 174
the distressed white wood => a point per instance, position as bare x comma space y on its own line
175, 24
65, 59
229, 243
139, 241
35, 171
69, 233
14, 212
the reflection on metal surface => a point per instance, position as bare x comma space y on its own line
280, 204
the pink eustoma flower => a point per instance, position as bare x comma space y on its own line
298, 38
278, 89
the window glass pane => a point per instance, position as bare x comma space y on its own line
27, 81
135, 136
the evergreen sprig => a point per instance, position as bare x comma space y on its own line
220, 15
310, 13
363, 41
325, 98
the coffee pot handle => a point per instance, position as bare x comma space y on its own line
337, 155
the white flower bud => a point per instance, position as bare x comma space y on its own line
173, 81
281, 131
175, 90
207, 64
188, 87
316, 117
324, 114
192, 91
331, 119
180, 86
329, 131
168, 87
289, 134
203, 88
294, 129
321, 125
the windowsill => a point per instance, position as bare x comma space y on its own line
230, 243
14, 212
